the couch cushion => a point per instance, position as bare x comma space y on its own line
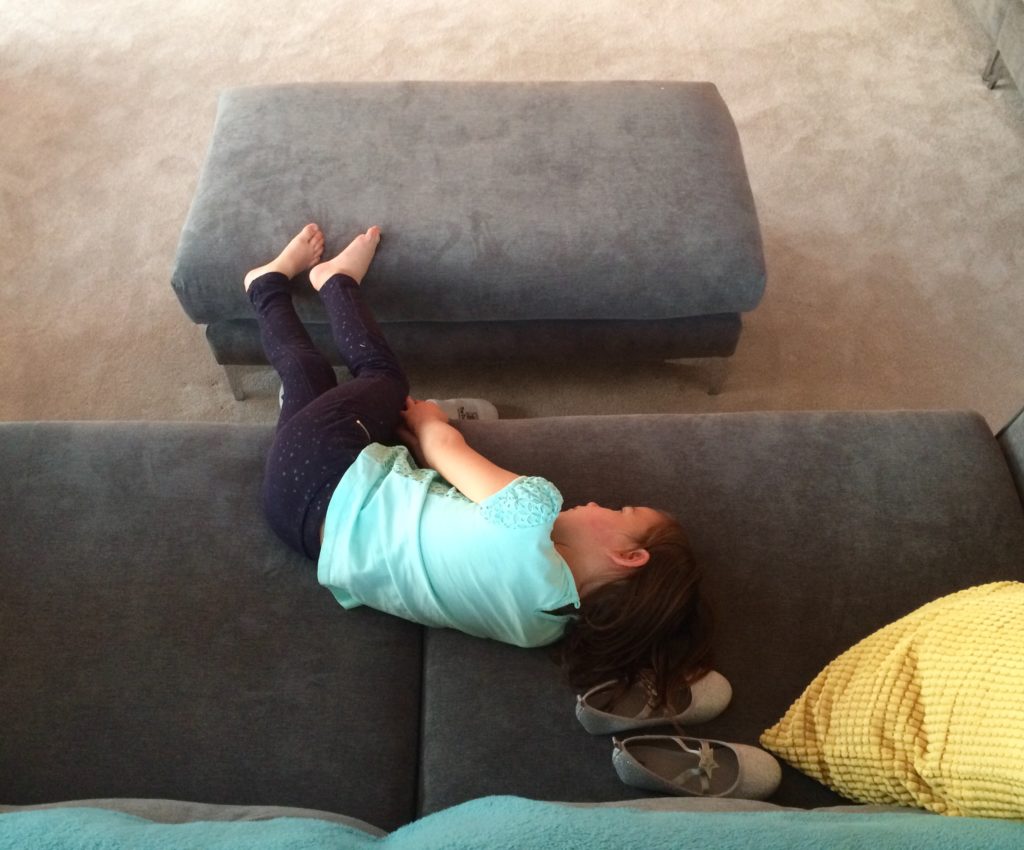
237, 341
182, 811
498, 201
500, 823
497, 823
1010, 41
158, 641
814, 529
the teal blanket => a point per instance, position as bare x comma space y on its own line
513, 823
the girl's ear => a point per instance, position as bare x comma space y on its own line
631, 558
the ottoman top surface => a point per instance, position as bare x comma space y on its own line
498, 201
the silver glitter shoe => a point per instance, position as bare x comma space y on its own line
695, 767
704, 699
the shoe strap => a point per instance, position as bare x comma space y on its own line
706, 764
646, 681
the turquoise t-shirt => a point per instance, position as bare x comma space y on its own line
402, 540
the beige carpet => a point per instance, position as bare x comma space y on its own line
889, 181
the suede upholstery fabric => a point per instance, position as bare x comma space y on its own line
992, 13
182, 811
814, 529
499, 202
1010, 41
159, 641
237, 341
1003, 20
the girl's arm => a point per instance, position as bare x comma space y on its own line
441, 447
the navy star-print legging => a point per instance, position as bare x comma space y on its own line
323, 425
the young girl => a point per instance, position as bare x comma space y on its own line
432, 531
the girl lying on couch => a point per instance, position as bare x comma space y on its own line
402, 515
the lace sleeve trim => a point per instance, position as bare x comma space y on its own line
525, 503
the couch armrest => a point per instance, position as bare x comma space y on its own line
1011, 439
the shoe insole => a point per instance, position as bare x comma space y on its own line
633, 701
668, 760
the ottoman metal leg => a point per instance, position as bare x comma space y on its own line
234, 381
993, 71
713, 370
717, 370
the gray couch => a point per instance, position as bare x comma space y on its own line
1003, 21
159, 641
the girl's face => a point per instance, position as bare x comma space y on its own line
615, 529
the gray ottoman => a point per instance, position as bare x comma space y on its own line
525, 220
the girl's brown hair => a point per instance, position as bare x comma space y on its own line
655, 619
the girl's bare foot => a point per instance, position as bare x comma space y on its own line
353, 261
299, 254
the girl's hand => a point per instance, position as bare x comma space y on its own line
437, 445
411, 442
418, 414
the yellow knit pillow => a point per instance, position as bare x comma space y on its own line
928, 711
